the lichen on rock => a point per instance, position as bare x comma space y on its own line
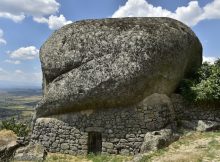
115, 62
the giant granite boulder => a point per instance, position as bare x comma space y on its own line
115, 62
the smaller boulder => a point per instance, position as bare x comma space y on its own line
188, 124
23, 140
200, 125
204, 125
158, 139
32, 152
8, 145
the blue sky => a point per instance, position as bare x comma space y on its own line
25, 25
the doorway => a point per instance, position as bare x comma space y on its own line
94, 142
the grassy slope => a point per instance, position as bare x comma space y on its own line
54, 157
192, 147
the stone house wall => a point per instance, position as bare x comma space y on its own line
122, 129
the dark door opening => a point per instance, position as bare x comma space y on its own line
95, 142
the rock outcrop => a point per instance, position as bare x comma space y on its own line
200, 125
8, 145
115, 62
31, 152
158, 139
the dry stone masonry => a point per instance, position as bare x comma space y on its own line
122, 129
106, 84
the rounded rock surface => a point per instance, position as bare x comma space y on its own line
115, 62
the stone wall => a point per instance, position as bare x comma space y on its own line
186, 111
122, 129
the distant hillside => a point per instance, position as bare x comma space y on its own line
21, 91
17, 102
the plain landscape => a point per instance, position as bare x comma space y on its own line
18, 103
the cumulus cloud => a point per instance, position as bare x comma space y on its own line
15, 18
25, 53
2, 40
16, 62
19, 71
191, 14
54, 22
140, 8
42, 11
17, 10
212, 10
211, 60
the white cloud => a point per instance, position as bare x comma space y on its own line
42, 11
212, 10
25, 53
19, 71
16, 62
140, 8
211, 60
17, 10
2, 40
15, 18
54, 22
190, 15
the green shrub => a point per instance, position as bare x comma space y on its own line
18, 128
204, 85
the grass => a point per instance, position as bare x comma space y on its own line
108, 158
6, 136
192, 147
55, 157
150, 155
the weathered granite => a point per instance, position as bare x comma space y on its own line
31, 152
158, 139
8, 145
112, 77
115, 62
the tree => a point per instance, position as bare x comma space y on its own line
204, 85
